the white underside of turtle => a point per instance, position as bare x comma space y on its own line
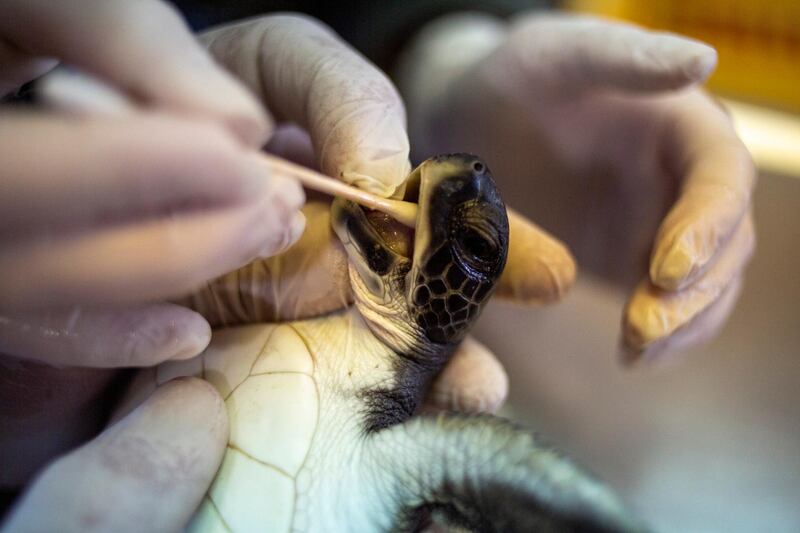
295, 459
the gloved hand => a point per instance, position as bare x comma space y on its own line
597, 128
146, 472
101, 215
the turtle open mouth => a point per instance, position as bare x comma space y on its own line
396, 236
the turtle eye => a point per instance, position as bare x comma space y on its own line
475, 237
475, 246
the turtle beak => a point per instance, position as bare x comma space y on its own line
412, 184
374, 241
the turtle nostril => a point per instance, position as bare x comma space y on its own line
478, 167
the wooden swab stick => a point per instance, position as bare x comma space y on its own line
403, 212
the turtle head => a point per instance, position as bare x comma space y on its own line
420, 290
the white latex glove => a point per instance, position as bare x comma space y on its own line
596, 128
101, 215
147, 472
305, 74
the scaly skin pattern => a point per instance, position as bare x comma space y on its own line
295, 459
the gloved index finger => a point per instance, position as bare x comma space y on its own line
142, 47
472, 381
309, 76
119, 169
718, 176
653, 316
583, 52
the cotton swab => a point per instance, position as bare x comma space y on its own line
403, 212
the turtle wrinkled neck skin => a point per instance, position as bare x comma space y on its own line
323, 431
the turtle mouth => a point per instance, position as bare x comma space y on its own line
394, 235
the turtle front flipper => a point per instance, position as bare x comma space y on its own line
483, 474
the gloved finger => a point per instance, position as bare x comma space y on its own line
72, 92
147, 472
584, 52
150, 260
105, 338
118, 169
142, 47
307, 280
473, 381
653, 314
719, 177
294, 144
703, 327
539, 269
308, 75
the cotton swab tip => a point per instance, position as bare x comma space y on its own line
403, 212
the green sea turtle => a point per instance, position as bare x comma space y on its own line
323, 431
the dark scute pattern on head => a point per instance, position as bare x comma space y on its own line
441, 306
470, 287
455, 277
437, 286
482, 292
431, 318
421, 295
455, 302
438, 262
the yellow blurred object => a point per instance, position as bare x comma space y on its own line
772, 137
758, 42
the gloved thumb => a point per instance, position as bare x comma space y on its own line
307, 75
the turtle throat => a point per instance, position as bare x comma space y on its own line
387, 314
